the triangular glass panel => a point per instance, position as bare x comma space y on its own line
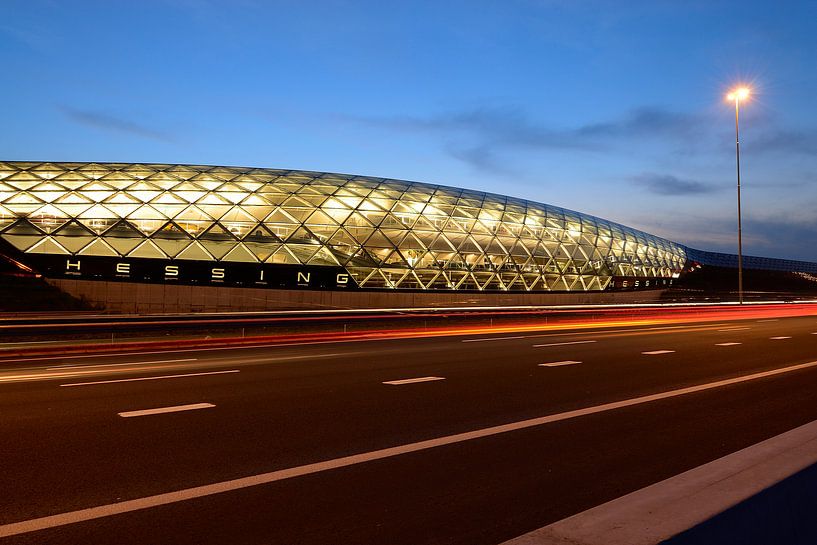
195, 252
283, 256
260, 234
322, 257
73, 243
98, 247
171, 231
123, 229
47, 246
301, 235
167, 198
280, 216
319, 217
240, 254
147, 249
192, 213
218, 233
261, 250
75, 229
237, 215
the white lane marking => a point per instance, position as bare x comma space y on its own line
28, 342
778, 338
100, 511
162, 410
665, 509
600, 331
658, 352
727, 344
82, 366
558, 363
562, 344
182, 350
150, 378
412, 380
769, 320
735, 329
492, 339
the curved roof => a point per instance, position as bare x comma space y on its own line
386, 233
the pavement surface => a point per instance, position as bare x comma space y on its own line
471, 439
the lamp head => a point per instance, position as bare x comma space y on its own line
741, 93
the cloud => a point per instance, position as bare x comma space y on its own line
101, 120
497, 126
646, 122
507, 128
666, 184
785, 141
779, 236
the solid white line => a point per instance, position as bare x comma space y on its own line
778, 338
492, 339
562, 344
412, 380
558, 363
150, 378
81, 366
735, 329
181, 350
127, 506
665, 509
162, 410
658, 352
727, 344
28, 342
769, 320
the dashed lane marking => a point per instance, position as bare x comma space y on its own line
558, 363
162, 410
412, 380
658, 352
137, 379
493, 339
562, 344
92, 365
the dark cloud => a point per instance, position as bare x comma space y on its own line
468, 133
508, 128
495, 126
788, 238
781, 236
666, 184
646, 122
481, 158
784, 141
100, 120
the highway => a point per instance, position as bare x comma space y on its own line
464, 439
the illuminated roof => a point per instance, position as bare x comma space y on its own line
385, 233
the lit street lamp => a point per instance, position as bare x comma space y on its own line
741, 93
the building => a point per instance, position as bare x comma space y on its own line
204, 225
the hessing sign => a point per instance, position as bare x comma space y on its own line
192, 272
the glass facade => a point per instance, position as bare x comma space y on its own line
385, 233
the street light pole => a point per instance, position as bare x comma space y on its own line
740, 230
738, 95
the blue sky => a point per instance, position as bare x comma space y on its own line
611, 108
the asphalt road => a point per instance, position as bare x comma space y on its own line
75, 434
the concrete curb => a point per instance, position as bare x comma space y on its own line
665, 509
